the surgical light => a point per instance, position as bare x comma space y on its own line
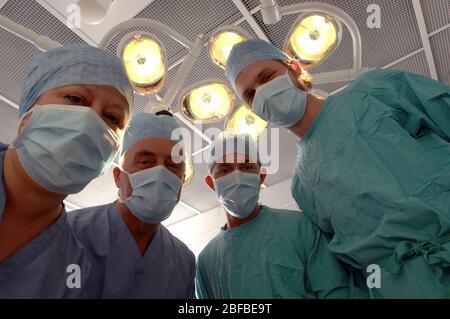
221, 43
144, 60
244, 121
209, 100
312, 38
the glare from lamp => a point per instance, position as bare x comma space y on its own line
189, 170
220, 46
244, 121
210, 101
144, 61
312, 38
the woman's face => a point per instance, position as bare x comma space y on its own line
105, 100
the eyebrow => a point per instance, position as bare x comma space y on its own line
144, 153
114, 105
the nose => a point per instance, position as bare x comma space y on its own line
97, 107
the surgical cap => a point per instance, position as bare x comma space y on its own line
248, 52
73, 64
144, 125
229, 143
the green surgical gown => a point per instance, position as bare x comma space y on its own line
278, 254
373, 170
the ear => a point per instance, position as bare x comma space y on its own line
116, 173
24, 121
296, 67
209, 181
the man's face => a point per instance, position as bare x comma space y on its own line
105, 100
231, 163
261, 72
148, 153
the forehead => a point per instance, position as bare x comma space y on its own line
236, 158
158, 146
249, 74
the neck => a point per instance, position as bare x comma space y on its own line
142, 232
235, 222
313, 107
29, 209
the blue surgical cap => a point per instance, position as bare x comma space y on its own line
73, 64
229, 143
248, 52
144, 125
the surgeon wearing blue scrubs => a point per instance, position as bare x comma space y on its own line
133, 255
74, 110
373, 166
262, 252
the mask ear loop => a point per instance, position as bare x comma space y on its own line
27, 113
20, 128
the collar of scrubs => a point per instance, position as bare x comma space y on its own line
321, 113
3, 148
128, 240
235, 231
25, 255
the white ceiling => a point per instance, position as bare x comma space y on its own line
403, 42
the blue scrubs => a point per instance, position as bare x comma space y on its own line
49, 266
166, 270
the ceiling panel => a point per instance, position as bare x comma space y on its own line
191, 18
14, 61
285, 153
179, 214
440, 46
436, 13
32, 15
9, 122
416, 64
197, 194
101, 190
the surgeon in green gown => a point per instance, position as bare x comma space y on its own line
373, 166
262, 252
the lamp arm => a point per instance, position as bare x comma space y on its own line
41, 42
141, 22
185, 68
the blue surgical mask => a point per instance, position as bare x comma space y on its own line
155, 194
238, 192
63, 147
280, 102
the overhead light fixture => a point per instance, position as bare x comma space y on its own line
244, 121
221, 43
144, 60
312, 38
209, 100
94, 11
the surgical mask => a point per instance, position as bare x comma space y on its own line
155, 194
63, 147
280, 102
238, 192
